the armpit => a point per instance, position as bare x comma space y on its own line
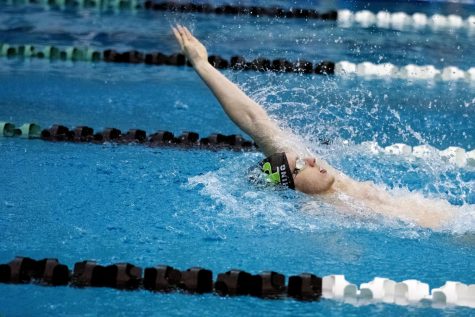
269, 137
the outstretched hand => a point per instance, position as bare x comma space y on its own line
194, 51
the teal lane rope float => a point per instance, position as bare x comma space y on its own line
30, 131
50, 52
8, 129
268, 284
280, 65
102, 5
27, 130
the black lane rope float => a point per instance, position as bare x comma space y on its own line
157, 58
171, 6
84, 134
160, 278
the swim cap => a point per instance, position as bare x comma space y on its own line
277, 169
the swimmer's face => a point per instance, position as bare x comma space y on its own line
313, 179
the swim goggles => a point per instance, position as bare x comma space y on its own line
300, 165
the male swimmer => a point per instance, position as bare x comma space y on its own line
285, 164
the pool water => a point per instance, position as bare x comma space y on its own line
187, 207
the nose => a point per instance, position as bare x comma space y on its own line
311, 161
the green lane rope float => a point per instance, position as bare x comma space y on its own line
26, 50
100, 4
50, 52
74, 54
7, 50
27, 130
30, 131
268, 284
8, 129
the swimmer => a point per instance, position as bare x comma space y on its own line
287, 165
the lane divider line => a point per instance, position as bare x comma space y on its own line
84, 134
266, 285
345, 17
171, 6
279, 65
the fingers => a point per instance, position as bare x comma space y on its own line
175, 32
188, 34
178, 37
184, 36
185, 33
181, 37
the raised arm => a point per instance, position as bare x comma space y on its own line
243, 111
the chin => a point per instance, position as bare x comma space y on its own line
317, 189
324, 186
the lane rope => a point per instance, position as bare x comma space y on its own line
171, 6
158, 58
84, 134
268, 284
261, 64
345, 18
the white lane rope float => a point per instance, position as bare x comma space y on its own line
452, 154
400, 20
408, 292
410, 71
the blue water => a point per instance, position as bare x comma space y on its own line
187, 208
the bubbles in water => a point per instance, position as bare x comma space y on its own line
180, 105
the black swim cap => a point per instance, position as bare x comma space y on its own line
278, 170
